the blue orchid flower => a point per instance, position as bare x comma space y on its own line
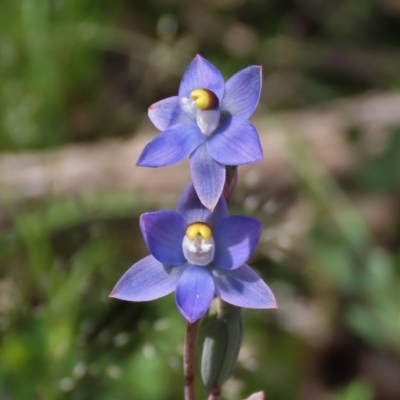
207, 121
199, 254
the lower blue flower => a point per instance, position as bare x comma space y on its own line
199, 254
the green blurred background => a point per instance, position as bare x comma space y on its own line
84, 71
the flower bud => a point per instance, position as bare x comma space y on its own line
223, 338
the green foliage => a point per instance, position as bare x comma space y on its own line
358, 390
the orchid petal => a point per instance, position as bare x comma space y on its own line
243, 287
194, 292
235, 240
242, 92
191, 208
167, 112
171, 146
147, 280
235, 142
208, 177
201, 74
163, 232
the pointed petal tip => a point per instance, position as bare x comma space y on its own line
273, 305
156, 106
209, 206
139, 163
189, 319
271, 302
268, 306
197, 58
114, 294
259, 67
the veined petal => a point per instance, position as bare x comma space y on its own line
163, 232
242, 92
208, 176
167, 112
235, 142
201, 74
191, 208
235, 240
194, 292
243, 287
171, 146
147, 280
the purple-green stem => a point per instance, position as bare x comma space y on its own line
189, 367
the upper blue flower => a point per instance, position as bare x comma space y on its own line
208, 120
200, 254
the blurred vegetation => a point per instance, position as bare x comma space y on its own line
80, 71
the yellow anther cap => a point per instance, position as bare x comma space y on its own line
204, 99
198, 228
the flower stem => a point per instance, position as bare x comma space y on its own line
215, 394
189, 363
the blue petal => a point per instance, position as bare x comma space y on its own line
191, 208
208, 177
235, 240
201, 74
167, 112
242, 92
243, 287
235, 142
171, 146
147, 280
194, 292
163, 232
